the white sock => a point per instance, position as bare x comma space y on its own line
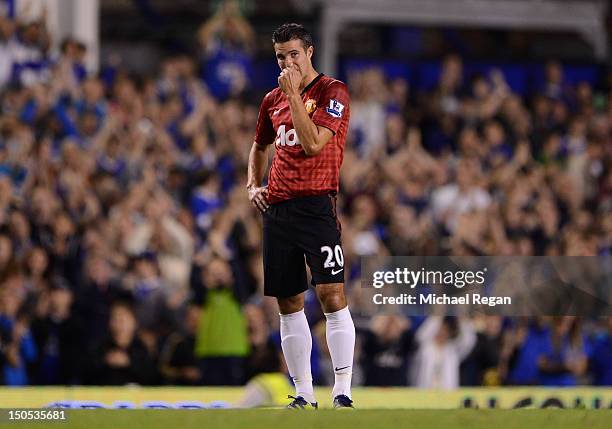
340, 333
296, 342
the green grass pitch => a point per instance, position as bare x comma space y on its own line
377, 408
357, 419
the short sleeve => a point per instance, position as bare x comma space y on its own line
333, 106
264, 132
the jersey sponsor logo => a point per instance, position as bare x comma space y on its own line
286, 138
335, 108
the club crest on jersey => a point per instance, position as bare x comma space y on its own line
311, 105
335, 108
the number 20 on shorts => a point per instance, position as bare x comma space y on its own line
334, 256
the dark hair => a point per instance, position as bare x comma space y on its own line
452, 324
126, 303
292, 31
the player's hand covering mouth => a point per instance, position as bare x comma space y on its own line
290, 79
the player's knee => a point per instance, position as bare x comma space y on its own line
292, 304
332, 299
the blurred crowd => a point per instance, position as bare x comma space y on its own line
129, 252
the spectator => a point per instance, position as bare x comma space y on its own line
160, 233
462, 196
20, 350
5, 341
7, 261
7, 31
482, 366
601, 356
30, 59
178, 362
221, 342
122, 357
206, 199
59, 339
386, 351
226, 40
367, 112
563, 356
100, 286
524, 348
150, 294
555, 87
443, 343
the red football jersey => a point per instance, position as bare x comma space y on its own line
293, 174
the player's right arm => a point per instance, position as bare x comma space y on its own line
258, 157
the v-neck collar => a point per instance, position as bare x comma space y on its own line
310, 85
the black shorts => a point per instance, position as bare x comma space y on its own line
305, 227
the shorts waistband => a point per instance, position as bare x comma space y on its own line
306, 198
